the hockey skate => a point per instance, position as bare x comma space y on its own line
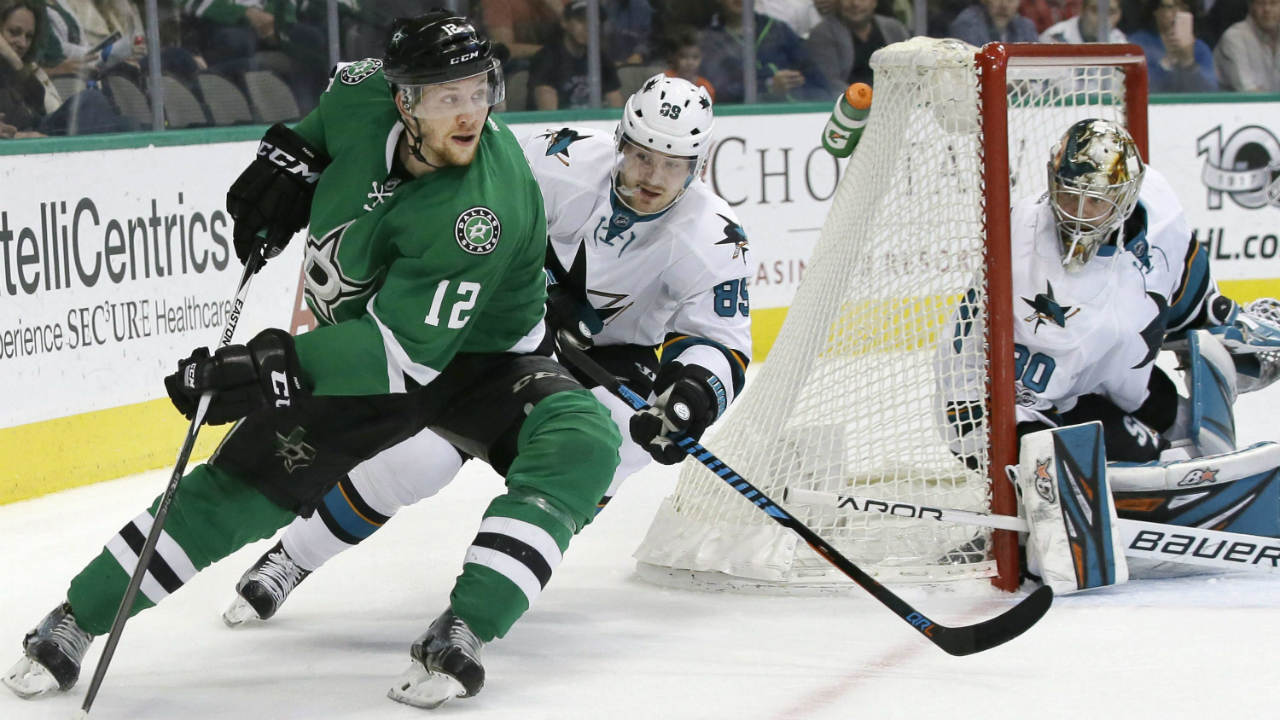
263, 588
51, 658
446, 664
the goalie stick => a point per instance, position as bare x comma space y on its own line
957, 640
251, 266
1217, 549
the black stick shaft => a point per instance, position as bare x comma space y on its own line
166, 500
962, 640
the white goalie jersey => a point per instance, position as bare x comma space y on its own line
678, 277
1093, 331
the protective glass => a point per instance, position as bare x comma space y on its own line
648, 181
473, 94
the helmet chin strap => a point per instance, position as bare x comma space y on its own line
415, 143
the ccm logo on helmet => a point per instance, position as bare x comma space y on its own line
463, 58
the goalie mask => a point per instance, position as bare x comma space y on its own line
1095, 173
439, 66
662, 143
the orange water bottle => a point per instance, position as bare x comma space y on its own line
848, 118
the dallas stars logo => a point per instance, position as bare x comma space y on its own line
359, 70
558, 143
734, 235
1047, 309
295, 453
327, 286
477, 230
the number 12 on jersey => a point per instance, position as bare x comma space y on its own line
462, 299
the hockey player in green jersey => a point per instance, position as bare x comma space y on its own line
431, 292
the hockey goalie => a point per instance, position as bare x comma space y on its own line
1106, 274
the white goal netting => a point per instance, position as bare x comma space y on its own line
847, 401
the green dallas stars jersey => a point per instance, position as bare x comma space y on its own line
415, 269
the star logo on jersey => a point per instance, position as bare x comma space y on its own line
359, 70
734, 235
293, 450
477, 230
558, 143
1047, 309
1044, 481
575, 279
1153, 333
326, 285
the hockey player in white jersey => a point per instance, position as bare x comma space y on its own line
641, 255
1106, 272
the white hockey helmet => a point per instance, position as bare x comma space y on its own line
1095, 172
663, 141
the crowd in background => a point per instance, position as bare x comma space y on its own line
82, 66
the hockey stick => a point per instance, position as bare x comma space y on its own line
162, 510
959, 640
1152, 541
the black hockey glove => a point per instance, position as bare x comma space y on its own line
690, 398
566, 311
272, 197
243, 378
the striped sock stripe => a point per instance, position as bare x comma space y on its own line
522, 552
346, 514
169, 568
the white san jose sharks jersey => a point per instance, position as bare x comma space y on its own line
1162, 241
678, 278
1093, 331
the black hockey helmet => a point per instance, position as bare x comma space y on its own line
435, 47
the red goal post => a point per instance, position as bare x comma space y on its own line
994, 61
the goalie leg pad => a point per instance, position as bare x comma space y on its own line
1073, 540
1237, 491
1212, 387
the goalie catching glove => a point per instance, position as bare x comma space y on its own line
690, 398
272, 197
243, 378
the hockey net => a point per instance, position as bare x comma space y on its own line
848, 401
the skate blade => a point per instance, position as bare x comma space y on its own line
423, 688
28, 679
240, 613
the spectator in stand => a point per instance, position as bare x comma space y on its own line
784, 69
802, 16
992, 20
1044, 14
1085, 26
29, 106
80, 25
77, 26
558, 72
1248, 55
524, 26
1176, 60
842, 44
627, 35
230, 34
1220, 15
680, 49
